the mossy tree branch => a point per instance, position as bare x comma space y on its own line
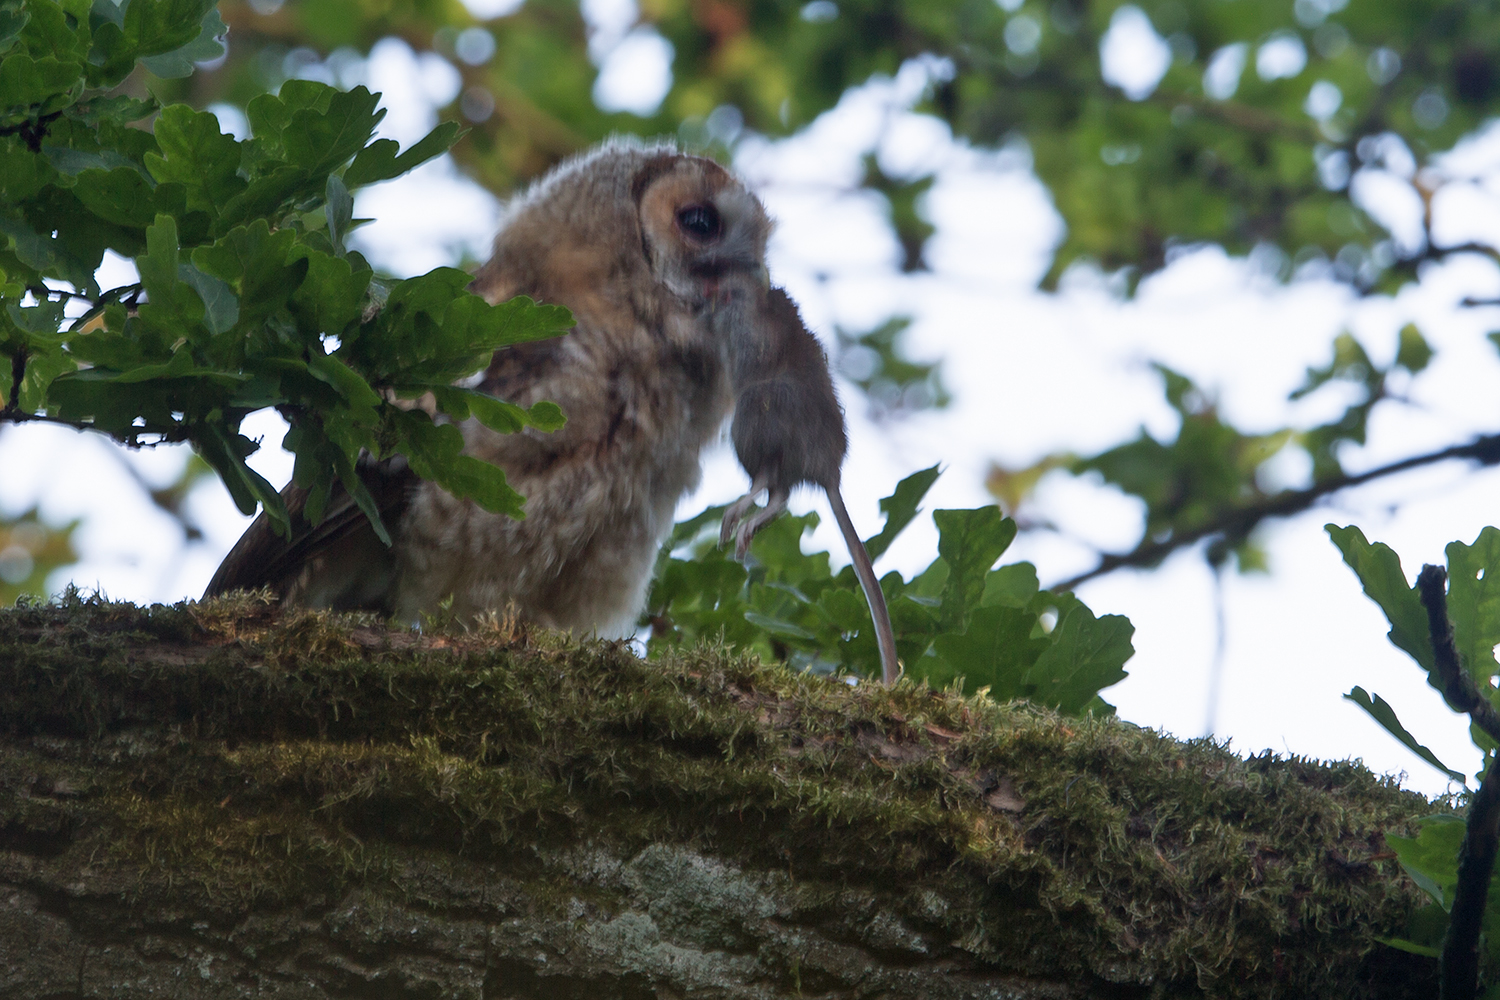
219, 799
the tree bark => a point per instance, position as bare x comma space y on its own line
229, 800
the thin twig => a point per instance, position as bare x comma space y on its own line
132, 441
17, 376
32, 132
44, 292
1459, 969
1239, 523
1429, 253
1240, 116
13, 415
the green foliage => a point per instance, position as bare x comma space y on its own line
248, 297
1431, 858
1379, 570
901, 508
1473, 609
1352, 365
1189, 482
957, 623
903, 196
1381, 711
1185, 163
1240, 161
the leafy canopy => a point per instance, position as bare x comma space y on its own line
1262, 111
248, 295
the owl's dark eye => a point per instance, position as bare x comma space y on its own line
701, 222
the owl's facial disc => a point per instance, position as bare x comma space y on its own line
703, 232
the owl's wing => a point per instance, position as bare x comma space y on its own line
339, 562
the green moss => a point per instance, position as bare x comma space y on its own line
262, 753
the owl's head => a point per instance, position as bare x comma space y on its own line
703, 234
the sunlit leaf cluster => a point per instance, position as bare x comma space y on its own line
1261, 113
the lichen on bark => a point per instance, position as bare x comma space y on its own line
231, 799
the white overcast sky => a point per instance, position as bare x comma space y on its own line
1030, 373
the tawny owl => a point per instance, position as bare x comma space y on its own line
655, 253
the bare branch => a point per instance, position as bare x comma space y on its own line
1430, 253
1237, 524
44, 292
12, 415
1240, 116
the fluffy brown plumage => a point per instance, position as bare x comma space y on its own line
660, 256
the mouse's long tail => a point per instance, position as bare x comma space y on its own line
885, 637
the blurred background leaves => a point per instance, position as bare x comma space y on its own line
30, 550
